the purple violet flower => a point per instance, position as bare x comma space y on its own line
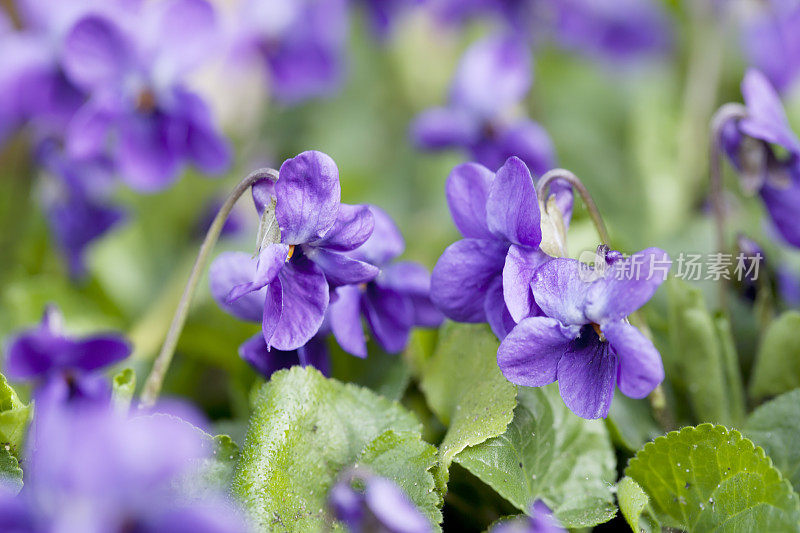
93, 470
613, 30
63, 368
301, 42
747, 143
76, 202
266, 361
492, 79
287, 287
140, 111
378, 504
771, 42
584, 340
485, 277
392, 303
541, 520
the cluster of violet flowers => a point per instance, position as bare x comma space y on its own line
92, 466
558, 319
321, 266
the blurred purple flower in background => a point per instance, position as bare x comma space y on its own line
63, 368
125, 477
584, 340
392, 303
748, 144
611, 30
287, 287
302, 44
483, 115
139, 110
376, 504
485, 277
540, 521
771, 41
76, 201
383, 14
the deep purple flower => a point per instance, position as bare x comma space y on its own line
748, 143
614, 30
301, 42
584, 340
772, 43
397, 299
378, 504
287, 286
750, 253
140, 111
93, 470
266, 361
76, 202
540, 521
517, 14
492, 79
62, 367
486, 276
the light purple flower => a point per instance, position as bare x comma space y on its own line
63, 368
486, 276
92, 470
584, 340
540, 521
140, 111
287, 286
380, 506
382, 13
266, 361
747, 143
772, 43
301, 42
392, 303
612, 30
492, 79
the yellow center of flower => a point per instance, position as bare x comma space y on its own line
597, 330
146, 101
291, 252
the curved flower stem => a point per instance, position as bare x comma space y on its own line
543, 185
722, 116
152, 386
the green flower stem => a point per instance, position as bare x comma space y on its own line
543, 185
152, 386
724, 114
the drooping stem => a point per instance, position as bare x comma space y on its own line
723, 115
542, 186
152, 386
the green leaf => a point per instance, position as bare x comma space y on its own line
466, 390
14, 417
633, 501
775, 426
709, 478
549, 453
123, 387
777, 366
695, 365
304, 430
10, 472
406, 459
